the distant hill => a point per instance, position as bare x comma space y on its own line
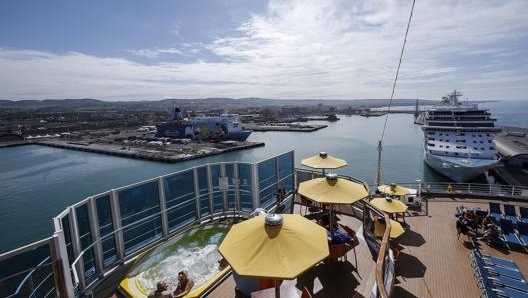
226, 103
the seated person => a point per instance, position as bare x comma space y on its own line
324, 220
471, 218
491, 233
340, 236
462, 227
185, 284
162, 291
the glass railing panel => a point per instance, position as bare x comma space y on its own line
246, 197
267, 173
106, 229
28, 274
140, 215
232, 183
180, 199
203, 186
218, 198
65, 223
286, 169
85, 239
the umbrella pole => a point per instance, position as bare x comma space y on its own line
277, 288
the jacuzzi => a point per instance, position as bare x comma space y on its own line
194, 250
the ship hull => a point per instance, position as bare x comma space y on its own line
458, 169
203, 130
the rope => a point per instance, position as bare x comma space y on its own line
379, 175
398, 70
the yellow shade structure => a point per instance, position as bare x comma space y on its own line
261, 247
394, 190
389, 205
323, 161
395, 232
332, 190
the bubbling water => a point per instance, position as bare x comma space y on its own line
196, 252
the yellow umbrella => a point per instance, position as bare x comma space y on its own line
389, 205
278, 246
333, 190
323, 161
395, 232
393, 189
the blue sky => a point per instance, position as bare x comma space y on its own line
291, 49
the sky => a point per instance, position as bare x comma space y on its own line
116, 50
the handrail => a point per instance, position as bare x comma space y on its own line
470, 189
381, 258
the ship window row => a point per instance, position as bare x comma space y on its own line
460, 134
460, 147
447, 153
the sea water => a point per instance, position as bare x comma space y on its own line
38, 182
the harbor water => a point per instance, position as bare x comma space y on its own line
38, 182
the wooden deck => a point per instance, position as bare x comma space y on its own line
433, 262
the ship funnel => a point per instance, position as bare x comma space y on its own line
177, 114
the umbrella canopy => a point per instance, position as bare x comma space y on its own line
395, 232
260, 247
323, 161
332, 190
394, 190
389, 205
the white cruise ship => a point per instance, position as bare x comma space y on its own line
458, 139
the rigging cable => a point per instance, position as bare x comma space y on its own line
379, 174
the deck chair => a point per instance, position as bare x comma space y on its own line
522, 227
524, 214
491, 260
497, 290
505, 280
508, 233
495, 211
509, 213
305, 293
353, 242
497, 271
510, 283
492, 288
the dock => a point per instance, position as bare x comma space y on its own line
285, 127
170, 154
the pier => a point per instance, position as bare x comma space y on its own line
172, 154
284, 127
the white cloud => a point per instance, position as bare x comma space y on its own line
306, 49
155, 53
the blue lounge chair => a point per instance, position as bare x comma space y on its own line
491, 260
511, 214
522, 227
524, 214
495, 211
510, 283
493, 288
497, 271
508, 234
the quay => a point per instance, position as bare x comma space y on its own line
284, 127
171, 154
